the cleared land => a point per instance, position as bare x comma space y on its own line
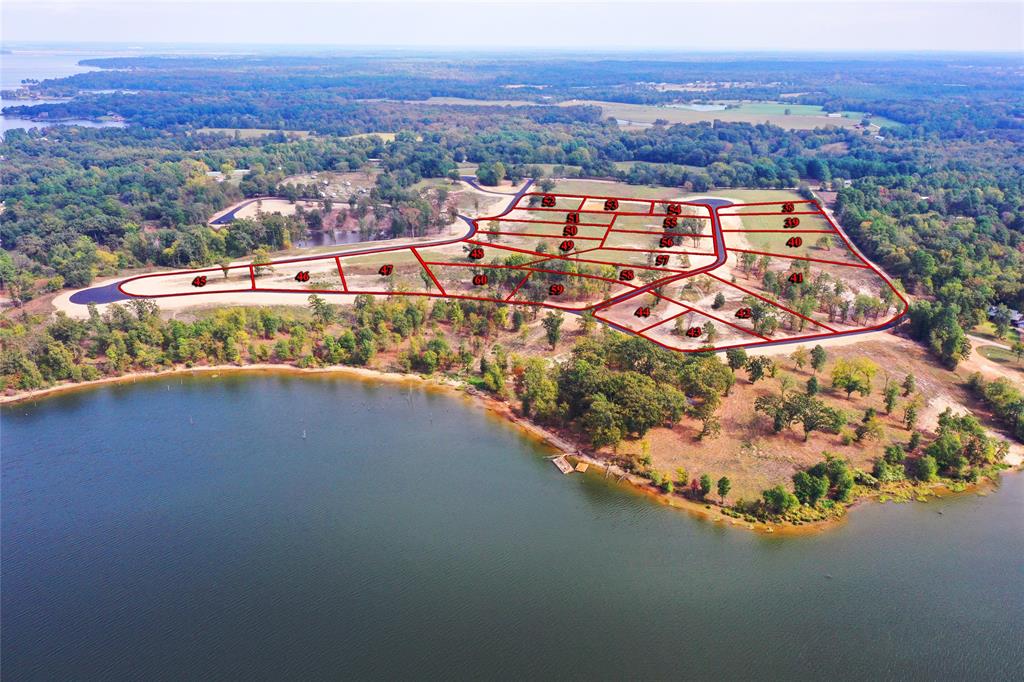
687, 276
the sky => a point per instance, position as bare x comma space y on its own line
680, 26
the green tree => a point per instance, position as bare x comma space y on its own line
778, 500
705, 485
261, 262
892, 392
323, 312
724, 486
736, 358
757, 367
819, 357
925, 468
808, 488
603, 421
553, 327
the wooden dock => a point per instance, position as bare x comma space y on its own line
563, 464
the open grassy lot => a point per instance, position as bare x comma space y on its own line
801, 117
1002, 356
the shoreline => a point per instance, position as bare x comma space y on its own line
503, 410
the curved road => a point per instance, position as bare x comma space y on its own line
111, 293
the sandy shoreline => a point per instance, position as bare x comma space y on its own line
709, 512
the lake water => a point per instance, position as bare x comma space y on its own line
40, 65
19, 65
183, 528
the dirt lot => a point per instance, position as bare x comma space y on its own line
755, 458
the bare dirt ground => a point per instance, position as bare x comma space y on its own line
755, 458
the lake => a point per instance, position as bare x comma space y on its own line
19, 65
183, 528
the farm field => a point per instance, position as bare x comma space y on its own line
804, 117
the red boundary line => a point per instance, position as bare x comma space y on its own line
770, 302
784, 230
662, 232
431, 274
710, 316
595, 308
546, 222
764, 213
521, 283
575, 258
608, 231
625, 214
341, 273
804, 258
773, 203
543, 236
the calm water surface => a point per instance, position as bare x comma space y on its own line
41, 65
183, 528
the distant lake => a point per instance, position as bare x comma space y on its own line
183, 528
19, 65
40, 65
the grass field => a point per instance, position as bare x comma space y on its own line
802, 117
623, 189
1002, 356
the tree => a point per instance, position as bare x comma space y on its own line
323, 312
603, 421
854, 375
911, 411
809, 489
1018, 349
786, 383
537, 392
909, 385
553, 327
812, 386
870, 428
892, 392
925, 468
719, 301
1002, 317
261, 262
490, 173
800, 357
757, 367
818, 358
815, 415
705, 485
736, 358
778, 500
724, 485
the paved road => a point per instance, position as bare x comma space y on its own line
110, 293
230, 215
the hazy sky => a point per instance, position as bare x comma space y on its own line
818, 25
